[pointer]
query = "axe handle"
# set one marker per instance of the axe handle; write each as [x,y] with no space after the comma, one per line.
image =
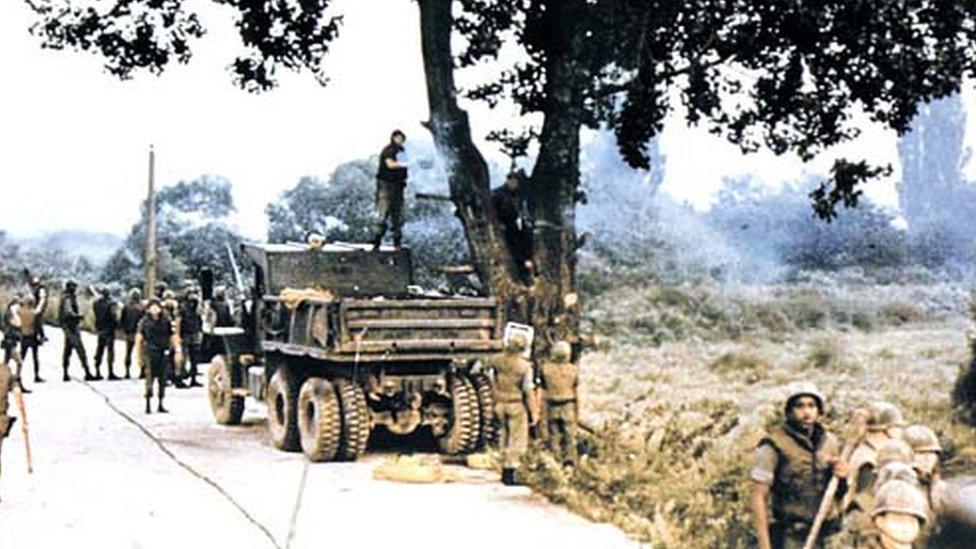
[19,398]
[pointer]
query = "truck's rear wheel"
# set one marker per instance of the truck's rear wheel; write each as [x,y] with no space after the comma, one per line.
[319,419]
[283,412]
[355,420]
[221,378]
[462,436]
[488,434]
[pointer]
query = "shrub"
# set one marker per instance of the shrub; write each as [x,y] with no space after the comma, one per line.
[751,367]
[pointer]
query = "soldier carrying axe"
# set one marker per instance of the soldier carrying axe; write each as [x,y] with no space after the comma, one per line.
[795,463]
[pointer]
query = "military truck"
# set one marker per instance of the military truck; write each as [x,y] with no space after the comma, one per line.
[338,342]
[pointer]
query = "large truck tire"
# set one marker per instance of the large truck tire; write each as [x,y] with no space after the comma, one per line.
[488,433]
[462,435]
[282,402]
[355,420]
[319,419]
[227,408]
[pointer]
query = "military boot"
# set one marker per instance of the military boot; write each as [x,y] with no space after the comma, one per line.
[111,375]
[160,408]
[66,377]
[20,383]
[148,406]
[98,374]
[508,477]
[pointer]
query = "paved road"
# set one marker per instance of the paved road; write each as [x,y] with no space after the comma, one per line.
[109,476]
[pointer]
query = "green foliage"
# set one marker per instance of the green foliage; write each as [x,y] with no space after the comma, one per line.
[343,209]
[192,233]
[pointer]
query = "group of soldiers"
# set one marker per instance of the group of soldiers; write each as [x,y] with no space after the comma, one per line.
[160,332]
[518,402]
[888,481]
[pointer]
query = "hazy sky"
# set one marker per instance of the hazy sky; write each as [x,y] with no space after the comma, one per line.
[74,141]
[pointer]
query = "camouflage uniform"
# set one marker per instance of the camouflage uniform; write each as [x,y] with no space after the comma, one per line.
[560,379]
[513,389]
[69,316]
[131,315]
[30,321]
[105,325]
[155,335]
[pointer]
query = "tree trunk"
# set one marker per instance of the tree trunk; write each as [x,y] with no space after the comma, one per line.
[467,171]
[555,180]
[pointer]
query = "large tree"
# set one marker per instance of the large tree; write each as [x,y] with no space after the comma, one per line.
[787,75]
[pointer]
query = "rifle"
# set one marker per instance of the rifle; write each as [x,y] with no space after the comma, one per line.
[19,399]
[238,281]
[432,196]
[856,434]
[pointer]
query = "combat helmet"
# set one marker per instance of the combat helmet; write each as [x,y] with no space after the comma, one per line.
[70,285]
[803,388]
[516,343]
[894,450]
[884,416]
[898,496]
[922,439]
[135,294]
[895,470]
[561,351]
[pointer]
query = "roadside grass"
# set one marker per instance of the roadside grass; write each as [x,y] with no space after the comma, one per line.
[677,420]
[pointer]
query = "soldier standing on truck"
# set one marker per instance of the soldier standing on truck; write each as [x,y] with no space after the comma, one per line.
[560,380]
[156,342]
[391,178]
[513,404]
[69,316]
[132,313]
[106,322]
[794,463]
[191,334]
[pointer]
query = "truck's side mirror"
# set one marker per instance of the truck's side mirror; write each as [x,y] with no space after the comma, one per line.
[207,283]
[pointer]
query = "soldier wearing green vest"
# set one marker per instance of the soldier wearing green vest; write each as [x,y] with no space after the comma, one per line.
[513,403]
[794,462]
[560,379]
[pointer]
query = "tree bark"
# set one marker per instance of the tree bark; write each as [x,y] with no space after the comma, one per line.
[555,180]
[467,171]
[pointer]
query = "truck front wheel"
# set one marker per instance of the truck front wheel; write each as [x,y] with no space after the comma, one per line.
[226,407]
[282,402]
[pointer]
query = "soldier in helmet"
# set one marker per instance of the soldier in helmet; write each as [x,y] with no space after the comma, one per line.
[69,316]
[106,322]
[885,422]
[191,334]
[132,313]
[898,513]
[794,463]
[560,379]
[223,316]
[513,403]
[156,342]
[171,306]
[30,312]
[927,460]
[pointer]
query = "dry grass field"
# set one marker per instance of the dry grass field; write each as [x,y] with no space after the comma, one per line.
[678,414]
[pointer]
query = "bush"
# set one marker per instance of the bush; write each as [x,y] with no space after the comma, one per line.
[826,354]
[751,367]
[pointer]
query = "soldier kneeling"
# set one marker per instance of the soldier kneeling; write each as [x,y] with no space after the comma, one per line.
[560,379]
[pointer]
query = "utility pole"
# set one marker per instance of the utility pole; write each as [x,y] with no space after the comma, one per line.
[150,259]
